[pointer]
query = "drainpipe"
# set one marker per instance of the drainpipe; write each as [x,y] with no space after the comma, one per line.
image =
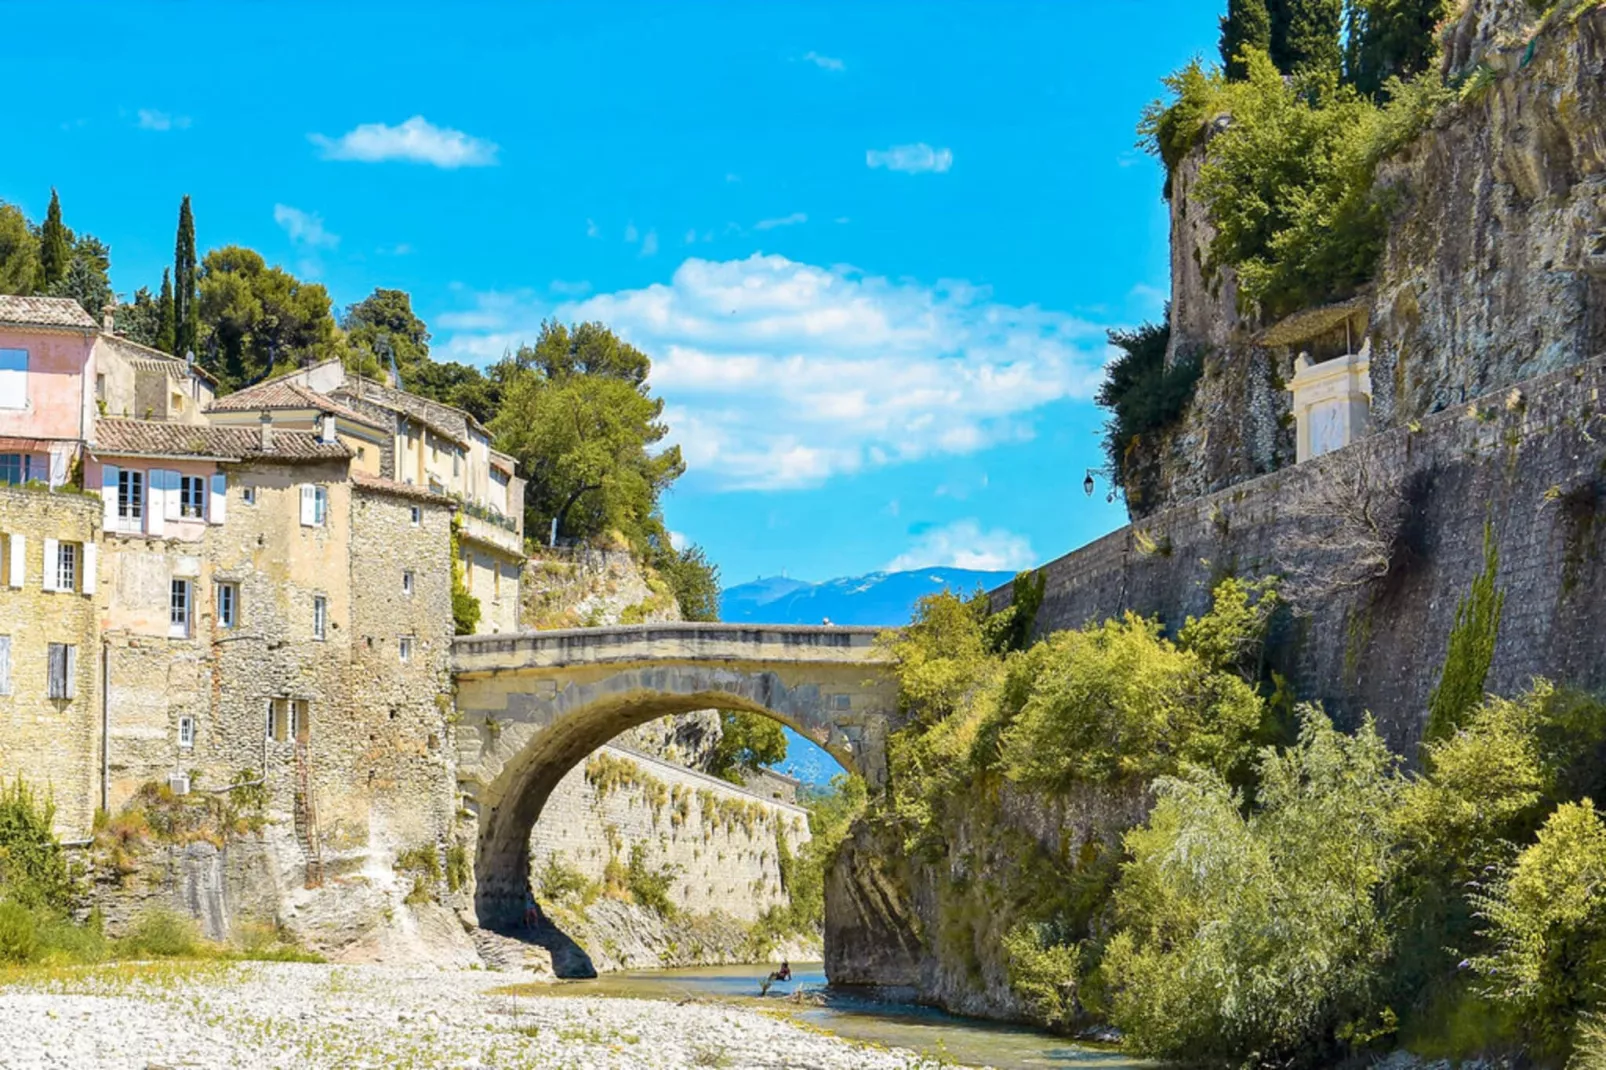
[105,726]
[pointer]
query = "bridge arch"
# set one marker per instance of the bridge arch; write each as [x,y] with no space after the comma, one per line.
[532,706]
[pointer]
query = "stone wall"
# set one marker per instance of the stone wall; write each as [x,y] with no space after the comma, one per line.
[720,840]
[1529,462]
[54,744]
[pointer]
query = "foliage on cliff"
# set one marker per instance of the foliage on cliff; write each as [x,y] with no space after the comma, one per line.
[1471,647]
[1141,394]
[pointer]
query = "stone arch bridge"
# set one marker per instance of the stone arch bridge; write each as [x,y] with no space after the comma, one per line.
[534,704]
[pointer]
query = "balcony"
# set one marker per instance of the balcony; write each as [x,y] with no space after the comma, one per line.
[489,528]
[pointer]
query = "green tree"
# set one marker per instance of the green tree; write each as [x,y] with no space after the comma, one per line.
[382,327]
[166,323]
[258,320]
[1471,647]
[747,743]
[1391,38]
[87,278]
[576,412]
[19,252]
[186,283]
[1142,396]
[1311,43]
[55,246]
[33,868]
[1246,25]
[692,577]
[140,319]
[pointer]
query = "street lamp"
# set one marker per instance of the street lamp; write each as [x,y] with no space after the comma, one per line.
[1087,484]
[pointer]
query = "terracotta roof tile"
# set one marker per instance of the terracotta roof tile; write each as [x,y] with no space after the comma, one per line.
[45,312]
[149,438]
[286,394]
[401,490]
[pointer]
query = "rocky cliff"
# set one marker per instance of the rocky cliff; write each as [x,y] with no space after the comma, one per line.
[1493,271]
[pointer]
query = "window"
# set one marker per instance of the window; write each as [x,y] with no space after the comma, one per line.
[278,719]
[63,669]
[5,664]
[457,460]
[248,495]
[186,732]
[320,617]
[314,506]
[130,495]
[407,583]
[192,497]
[66,565]
[418,516]
[13,378]
[178,606]
[228,604]
[404,647]
[100,387]
[300,719]
[16,468]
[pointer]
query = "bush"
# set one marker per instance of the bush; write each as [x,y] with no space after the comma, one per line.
[1546,920]
[559,882]
[161,934]
[1042,973]
[1470,650]
[1257,933]
[650,886]
[1141,394]
[19,934]
[33,870]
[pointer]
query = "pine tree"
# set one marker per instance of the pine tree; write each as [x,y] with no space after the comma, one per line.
[186,309]
[1312,42]
[55,246]
[1246,25]
[164,315]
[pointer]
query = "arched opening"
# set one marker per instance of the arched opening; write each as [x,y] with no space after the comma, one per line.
[502,865]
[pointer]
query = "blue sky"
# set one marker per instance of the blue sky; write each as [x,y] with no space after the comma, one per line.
[872,248]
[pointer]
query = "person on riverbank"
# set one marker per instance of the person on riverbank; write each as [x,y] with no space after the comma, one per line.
[782,974]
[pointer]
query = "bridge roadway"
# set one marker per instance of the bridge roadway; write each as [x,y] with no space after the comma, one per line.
[532,705]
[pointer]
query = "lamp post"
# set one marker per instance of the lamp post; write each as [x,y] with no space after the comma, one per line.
[1087,484]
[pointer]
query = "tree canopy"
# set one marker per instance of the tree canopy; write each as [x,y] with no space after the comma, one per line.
[257,320]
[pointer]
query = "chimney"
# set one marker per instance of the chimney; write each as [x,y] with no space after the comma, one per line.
[326,427]
[267,432]
[108,316]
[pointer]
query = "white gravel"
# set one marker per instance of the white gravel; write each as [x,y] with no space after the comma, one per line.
[296,1015]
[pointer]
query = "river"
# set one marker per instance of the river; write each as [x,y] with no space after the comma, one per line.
[856,1016]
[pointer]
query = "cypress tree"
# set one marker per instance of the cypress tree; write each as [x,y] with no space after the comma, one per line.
[1246,25]
[1312,42]
[55,249]
[186,313]
[164,314]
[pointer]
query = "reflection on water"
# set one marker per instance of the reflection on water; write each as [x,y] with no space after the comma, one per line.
[858,1015]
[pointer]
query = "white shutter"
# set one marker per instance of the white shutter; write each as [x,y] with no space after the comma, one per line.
[5,664]
[220,495]
[309,505]
[155,501]
[108,495]
[91,556]
[19,558]
[171,498]
[52,551]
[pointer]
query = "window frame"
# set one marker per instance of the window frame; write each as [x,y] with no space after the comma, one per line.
[23,470]
[320,617]
[320,506]
[180,627]
[248,495]
[186,733]
[409,582]
[69,558]
[226,597]
[404,649]
[188,510]
[131,488]
[418,515]
[23,372]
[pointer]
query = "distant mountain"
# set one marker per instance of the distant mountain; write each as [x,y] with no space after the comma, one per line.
[880,599]
[885,599]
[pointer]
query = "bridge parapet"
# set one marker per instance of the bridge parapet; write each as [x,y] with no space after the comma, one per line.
[677,641]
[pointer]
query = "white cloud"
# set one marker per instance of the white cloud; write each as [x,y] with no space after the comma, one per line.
[783,221]
[678,540]
[151,119]
[782,374]
[570,289]
[825,63]
[649,244]
[304,228]
[417,140]
[963,544]
[591,229]
[912,159]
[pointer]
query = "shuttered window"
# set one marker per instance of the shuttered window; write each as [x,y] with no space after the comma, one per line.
[63,669]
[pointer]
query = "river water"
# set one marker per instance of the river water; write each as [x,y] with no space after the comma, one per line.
[857,1016]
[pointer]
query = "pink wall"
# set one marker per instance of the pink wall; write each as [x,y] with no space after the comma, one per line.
[59,406]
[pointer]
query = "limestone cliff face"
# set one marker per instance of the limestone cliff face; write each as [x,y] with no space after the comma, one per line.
[938,926]
[1494,270]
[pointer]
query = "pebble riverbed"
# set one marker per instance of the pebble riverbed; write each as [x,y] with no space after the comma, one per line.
[302,1015]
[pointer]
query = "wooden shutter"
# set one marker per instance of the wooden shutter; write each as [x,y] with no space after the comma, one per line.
[91,555]
[56,668]
[220,495]
[52,551]
[172,494]
[155,501]
[17,548]
[108,495]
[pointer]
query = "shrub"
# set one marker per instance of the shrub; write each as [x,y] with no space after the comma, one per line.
[1141,394]
[1257,933]
[33,870]
[1546,920]
[1042,973]
[559,882]
[19,933]
[650,886]
[1471,648]
[161,933]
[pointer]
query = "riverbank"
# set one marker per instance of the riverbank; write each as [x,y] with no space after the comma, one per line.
[294,1015]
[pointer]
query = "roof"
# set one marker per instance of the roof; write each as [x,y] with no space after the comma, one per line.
[51,312]
[286,394]
[445,420]
[150,353]
[1310,323]
[150,438]
[401,490]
